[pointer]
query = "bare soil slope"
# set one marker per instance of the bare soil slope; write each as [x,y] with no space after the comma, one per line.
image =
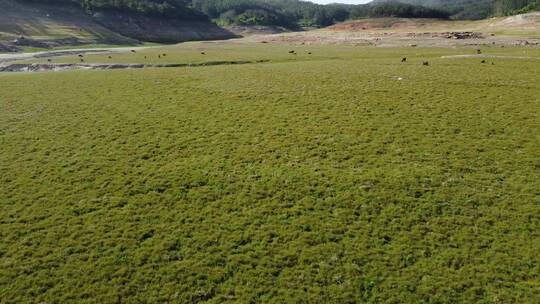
[518,24]
[49,26]
[398,32]
[160,30]
[45,22]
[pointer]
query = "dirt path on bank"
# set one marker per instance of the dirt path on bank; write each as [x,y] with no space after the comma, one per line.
[10,57]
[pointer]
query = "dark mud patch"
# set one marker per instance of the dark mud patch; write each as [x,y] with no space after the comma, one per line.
[448,35]
[8,48]
[40,67]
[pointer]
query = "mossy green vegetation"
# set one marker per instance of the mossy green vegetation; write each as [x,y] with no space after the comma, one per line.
[344,176]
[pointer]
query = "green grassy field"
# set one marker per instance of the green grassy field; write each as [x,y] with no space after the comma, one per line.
[317,178]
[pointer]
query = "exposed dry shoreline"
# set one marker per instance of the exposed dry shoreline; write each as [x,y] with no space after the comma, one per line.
[39,67]
[10,57]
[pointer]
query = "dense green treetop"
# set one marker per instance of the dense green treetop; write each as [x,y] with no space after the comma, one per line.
[475,9]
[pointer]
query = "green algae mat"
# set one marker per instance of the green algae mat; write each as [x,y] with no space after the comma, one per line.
[341,176]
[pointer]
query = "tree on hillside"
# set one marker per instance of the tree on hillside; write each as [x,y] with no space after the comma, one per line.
[397,9]
[287,13]
[509,7]
[458,9]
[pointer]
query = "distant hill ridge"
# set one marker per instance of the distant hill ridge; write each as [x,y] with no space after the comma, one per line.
[56,22]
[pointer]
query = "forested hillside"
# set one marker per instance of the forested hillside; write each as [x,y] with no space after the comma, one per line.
[397,9]
[287,13]
[511,7]
[294,13]
[457,9]
[474,9]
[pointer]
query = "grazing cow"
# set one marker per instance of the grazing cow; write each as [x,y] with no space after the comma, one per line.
[110,57]
[133,51]
[426,63]
[82,60]
[164,54]
[80,56]
[158,56]
[478,51]
[292,52]
[49,60]
[203,53]
[483,61]
[309,53]
[144,57]
[404,59]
